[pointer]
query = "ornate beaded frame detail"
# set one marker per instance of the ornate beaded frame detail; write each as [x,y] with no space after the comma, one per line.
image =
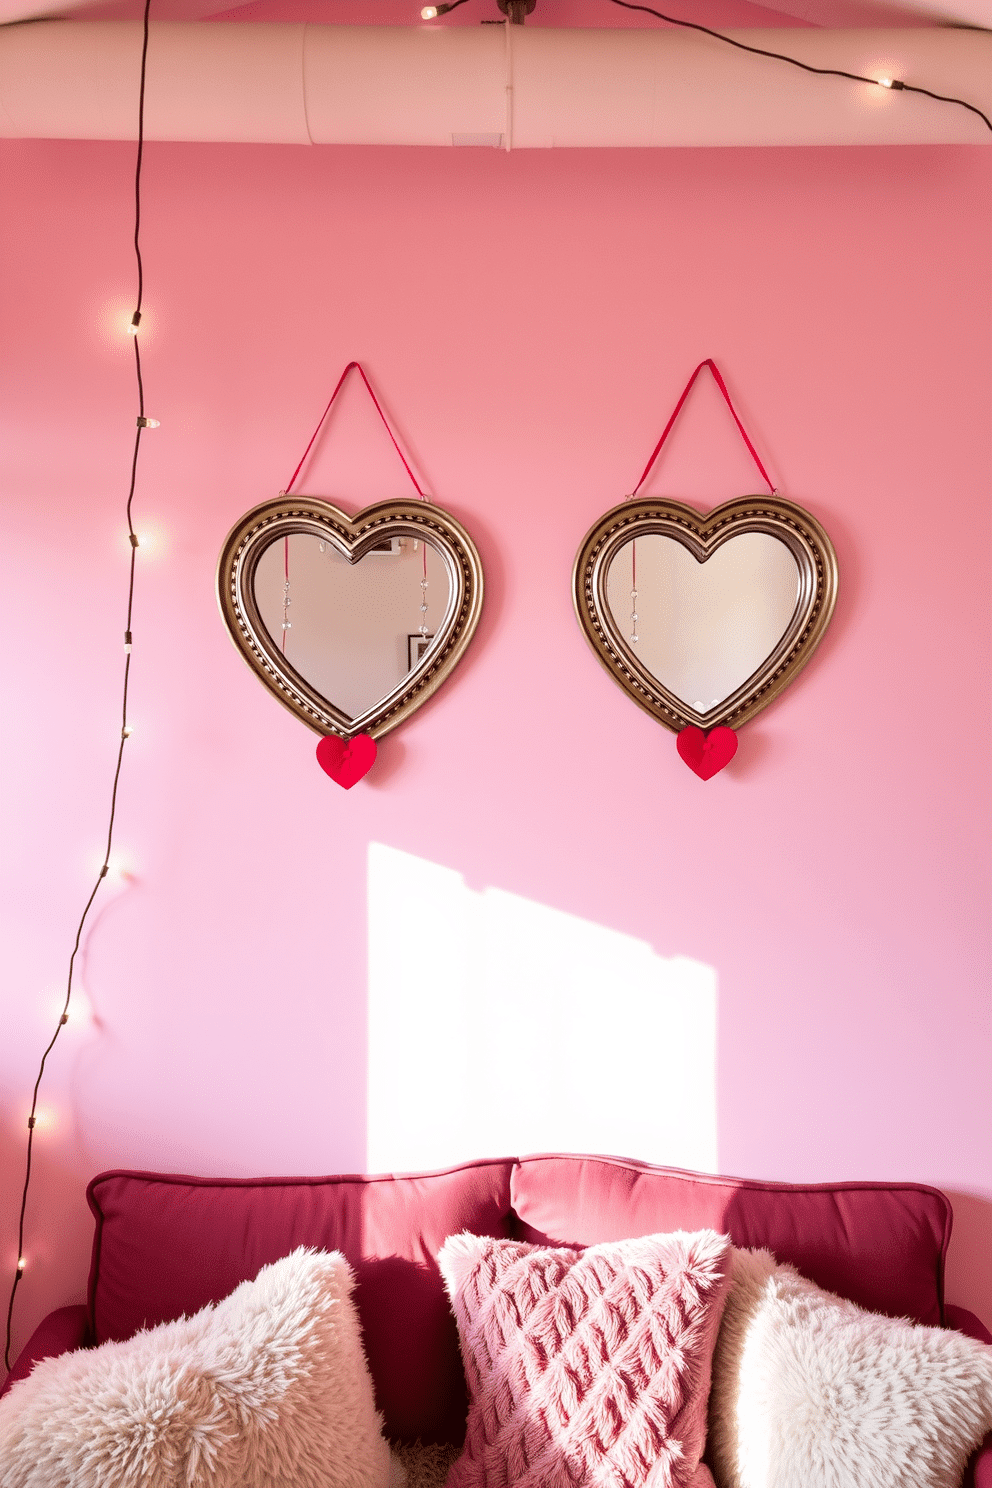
[702,535]
[352,537]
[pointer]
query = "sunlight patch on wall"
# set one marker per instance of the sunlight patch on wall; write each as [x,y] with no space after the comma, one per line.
[500,1026]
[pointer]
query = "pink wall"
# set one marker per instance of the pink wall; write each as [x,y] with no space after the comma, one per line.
[530,320]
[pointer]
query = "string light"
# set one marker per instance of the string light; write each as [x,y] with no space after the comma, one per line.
[80,1015]
[517,8]
[855,77]
[142,423]
[431,12]
[151,537]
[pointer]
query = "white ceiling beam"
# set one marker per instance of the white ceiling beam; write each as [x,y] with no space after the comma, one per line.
[409,85]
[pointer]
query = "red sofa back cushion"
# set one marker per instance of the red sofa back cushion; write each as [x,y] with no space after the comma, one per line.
[166,1245]
[881,1244]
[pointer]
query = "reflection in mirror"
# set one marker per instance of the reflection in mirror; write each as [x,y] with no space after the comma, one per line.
[353,631]
[702,629]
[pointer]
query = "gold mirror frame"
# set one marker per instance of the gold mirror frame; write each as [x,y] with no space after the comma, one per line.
[703,535]
[353,537]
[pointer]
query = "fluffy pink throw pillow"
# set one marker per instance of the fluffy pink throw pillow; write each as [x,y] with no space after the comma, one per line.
[586,1369]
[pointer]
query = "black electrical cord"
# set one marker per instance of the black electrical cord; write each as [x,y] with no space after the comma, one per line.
[855,77]
[142,424]
[442,9]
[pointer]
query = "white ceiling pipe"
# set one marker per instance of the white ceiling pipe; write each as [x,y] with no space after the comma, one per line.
[518,87]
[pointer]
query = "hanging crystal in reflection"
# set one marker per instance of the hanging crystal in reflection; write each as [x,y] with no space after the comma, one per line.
[287,624]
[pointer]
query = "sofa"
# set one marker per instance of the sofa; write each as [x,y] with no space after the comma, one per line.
[165,1245]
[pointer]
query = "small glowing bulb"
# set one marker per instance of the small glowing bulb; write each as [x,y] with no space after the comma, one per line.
[80,1015]
[135,323]
[429,13]
[21,1263]
[148,423]
[885,82]
[126,731]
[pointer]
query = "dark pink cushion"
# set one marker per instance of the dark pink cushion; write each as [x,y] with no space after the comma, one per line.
[167,1245]
[881,1244]
[56,1334]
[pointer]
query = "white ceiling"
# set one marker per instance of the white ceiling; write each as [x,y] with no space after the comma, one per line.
[831,13]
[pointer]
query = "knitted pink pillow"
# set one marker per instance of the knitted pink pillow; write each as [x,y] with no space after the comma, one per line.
[586,1369]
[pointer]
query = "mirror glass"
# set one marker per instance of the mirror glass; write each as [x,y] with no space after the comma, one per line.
[701,629]
[353,631]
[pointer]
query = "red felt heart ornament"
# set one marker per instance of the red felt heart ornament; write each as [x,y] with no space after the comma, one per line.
[706,753]
[346,760]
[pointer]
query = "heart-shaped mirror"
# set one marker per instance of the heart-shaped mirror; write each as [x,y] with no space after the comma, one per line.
[704,619]
[351,622]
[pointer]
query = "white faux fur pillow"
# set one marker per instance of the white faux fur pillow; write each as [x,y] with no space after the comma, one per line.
[809,1389]
[269,1387]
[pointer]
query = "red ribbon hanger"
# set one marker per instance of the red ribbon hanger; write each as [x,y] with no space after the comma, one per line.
[705,753]
[356,367]
[346,761]
[678,409]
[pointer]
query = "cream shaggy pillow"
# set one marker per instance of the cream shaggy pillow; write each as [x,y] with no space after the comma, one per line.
[269,1387]
[810,1389]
